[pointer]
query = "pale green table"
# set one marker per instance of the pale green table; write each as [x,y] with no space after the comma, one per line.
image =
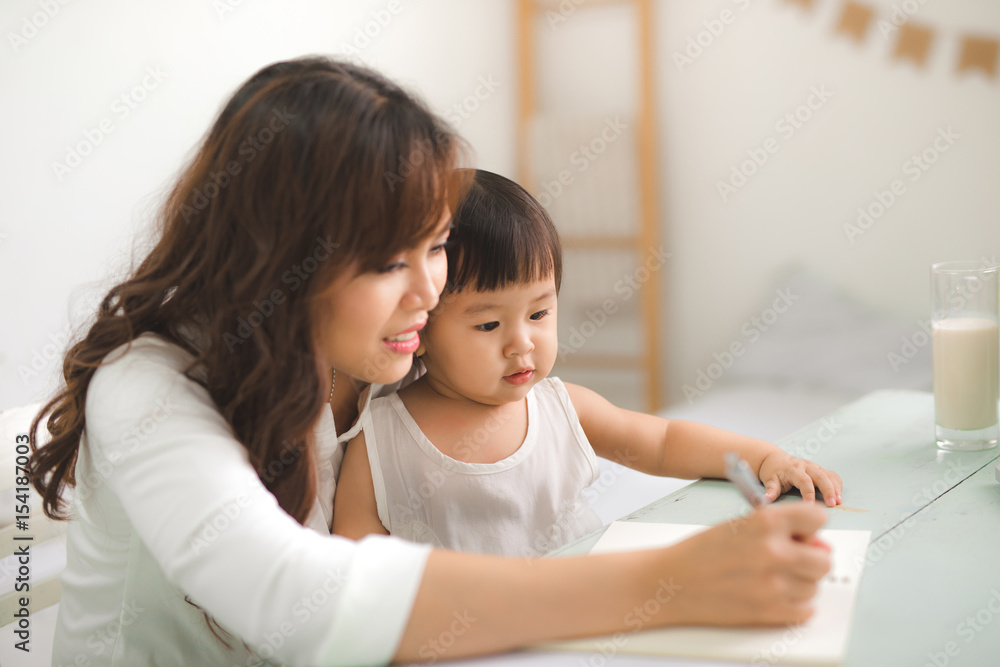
[934,559]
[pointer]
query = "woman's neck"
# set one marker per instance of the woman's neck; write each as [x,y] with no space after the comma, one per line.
[344,403]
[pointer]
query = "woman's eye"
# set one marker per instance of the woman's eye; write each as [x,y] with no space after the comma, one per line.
[539,315]
[489,326]
[389,268]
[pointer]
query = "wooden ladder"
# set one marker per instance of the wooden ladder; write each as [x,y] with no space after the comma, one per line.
[646,238]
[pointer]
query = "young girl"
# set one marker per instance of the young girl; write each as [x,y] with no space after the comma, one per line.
[486,452]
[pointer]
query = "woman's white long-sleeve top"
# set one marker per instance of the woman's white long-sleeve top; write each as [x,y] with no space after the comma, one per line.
[167,507]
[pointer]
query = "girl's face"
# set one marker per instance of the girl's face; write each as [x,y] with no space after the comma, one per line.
[492,347]
[370,327]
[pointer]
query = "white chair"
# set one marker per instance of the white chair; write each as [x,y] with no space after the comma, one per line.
[45,542]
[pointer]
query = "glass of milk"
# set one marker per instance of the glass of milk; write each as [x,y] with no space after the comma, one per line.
[966,349]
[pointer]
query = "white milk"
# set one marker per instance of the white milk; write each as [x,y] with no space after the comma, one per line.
[965,372]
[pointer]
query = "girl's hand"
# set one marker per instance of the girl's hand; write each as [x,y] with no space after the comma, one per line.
[761,569]
[781,472]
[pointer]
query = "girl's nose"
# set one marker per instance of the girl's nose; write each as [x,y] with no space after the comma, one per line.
[519,343]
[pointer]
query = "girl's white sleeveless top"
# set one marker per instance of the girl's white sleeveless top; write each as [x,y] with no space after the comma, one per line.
[526,504]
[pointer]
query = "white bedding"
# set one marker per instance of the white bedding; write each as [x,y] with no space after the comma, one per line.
[824,353]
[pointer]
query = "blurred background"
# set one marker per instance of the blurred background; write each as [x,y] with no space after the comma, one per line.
[751,191]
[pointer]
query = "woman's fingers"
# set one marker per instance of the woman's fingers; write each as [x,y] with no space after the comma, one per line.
[763,570]
[802,520]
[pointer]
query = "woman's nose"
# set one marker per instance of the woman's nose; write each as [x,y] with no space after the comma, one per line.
[425,287]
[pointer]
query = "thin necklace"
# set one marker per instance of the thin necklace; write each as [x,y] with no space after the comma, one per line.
[333,383]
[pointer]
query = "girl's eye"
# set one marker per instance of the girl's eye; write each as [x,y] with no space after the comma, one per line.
[489,326]
[539,315]
[439,248]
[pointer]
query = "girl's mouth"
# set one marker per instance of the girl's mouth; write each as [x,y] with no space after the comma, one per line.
[520,377]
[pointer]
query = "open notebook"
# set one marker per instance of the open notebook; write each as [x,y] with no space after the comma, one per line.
[820,641]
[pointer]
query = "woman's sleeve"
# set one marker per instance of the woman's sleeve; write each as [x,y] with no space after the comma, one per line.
[218,535]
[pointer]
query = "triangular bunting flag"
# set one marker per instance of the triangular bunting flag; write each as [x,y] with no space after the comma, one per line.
[914,43]
[979,52]
[855,19]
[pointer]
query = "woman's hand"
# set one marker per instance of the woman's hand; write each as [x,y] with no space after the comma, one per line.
[762,569]
[780,472]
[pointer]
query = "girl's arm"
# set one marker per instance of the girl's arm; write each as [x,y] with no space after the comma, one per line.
[760,570]
[355,512]
[677,448]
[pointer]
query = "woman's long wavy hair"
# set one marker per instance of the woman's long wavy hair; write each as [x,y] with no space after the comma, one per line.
[313,167]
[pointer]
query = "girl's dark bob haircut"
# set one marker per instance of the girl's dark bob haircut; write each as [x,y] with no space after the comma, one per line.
[501,237]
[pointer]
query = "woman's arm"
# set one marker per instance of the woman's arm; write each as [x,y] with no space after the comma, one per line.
[677,448]
[759,570]
[355,512]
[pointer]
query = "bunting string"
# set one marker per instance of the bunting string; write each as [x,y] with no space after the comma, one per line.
[914,41]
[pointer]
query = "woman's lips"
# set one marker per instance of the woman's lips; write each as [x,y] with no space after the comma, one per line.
[520,377]
[405,342]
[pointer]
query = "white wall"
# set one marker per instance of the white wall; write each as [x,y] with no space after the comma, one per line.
[61,238]
[792,211]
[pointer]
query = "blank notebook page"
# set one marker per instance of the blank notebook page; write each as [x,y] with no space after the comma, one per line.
[820,641]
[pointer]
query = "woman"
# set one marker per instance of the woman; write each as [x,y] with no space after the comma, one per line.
[202,422]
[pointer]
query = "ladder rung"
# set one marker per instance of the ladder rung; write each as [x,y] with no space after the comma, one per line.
[598,242]
[556,5]
[602,361]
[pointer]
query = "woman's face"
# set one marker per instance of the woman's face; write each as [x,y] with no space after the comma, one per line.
[370,327]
